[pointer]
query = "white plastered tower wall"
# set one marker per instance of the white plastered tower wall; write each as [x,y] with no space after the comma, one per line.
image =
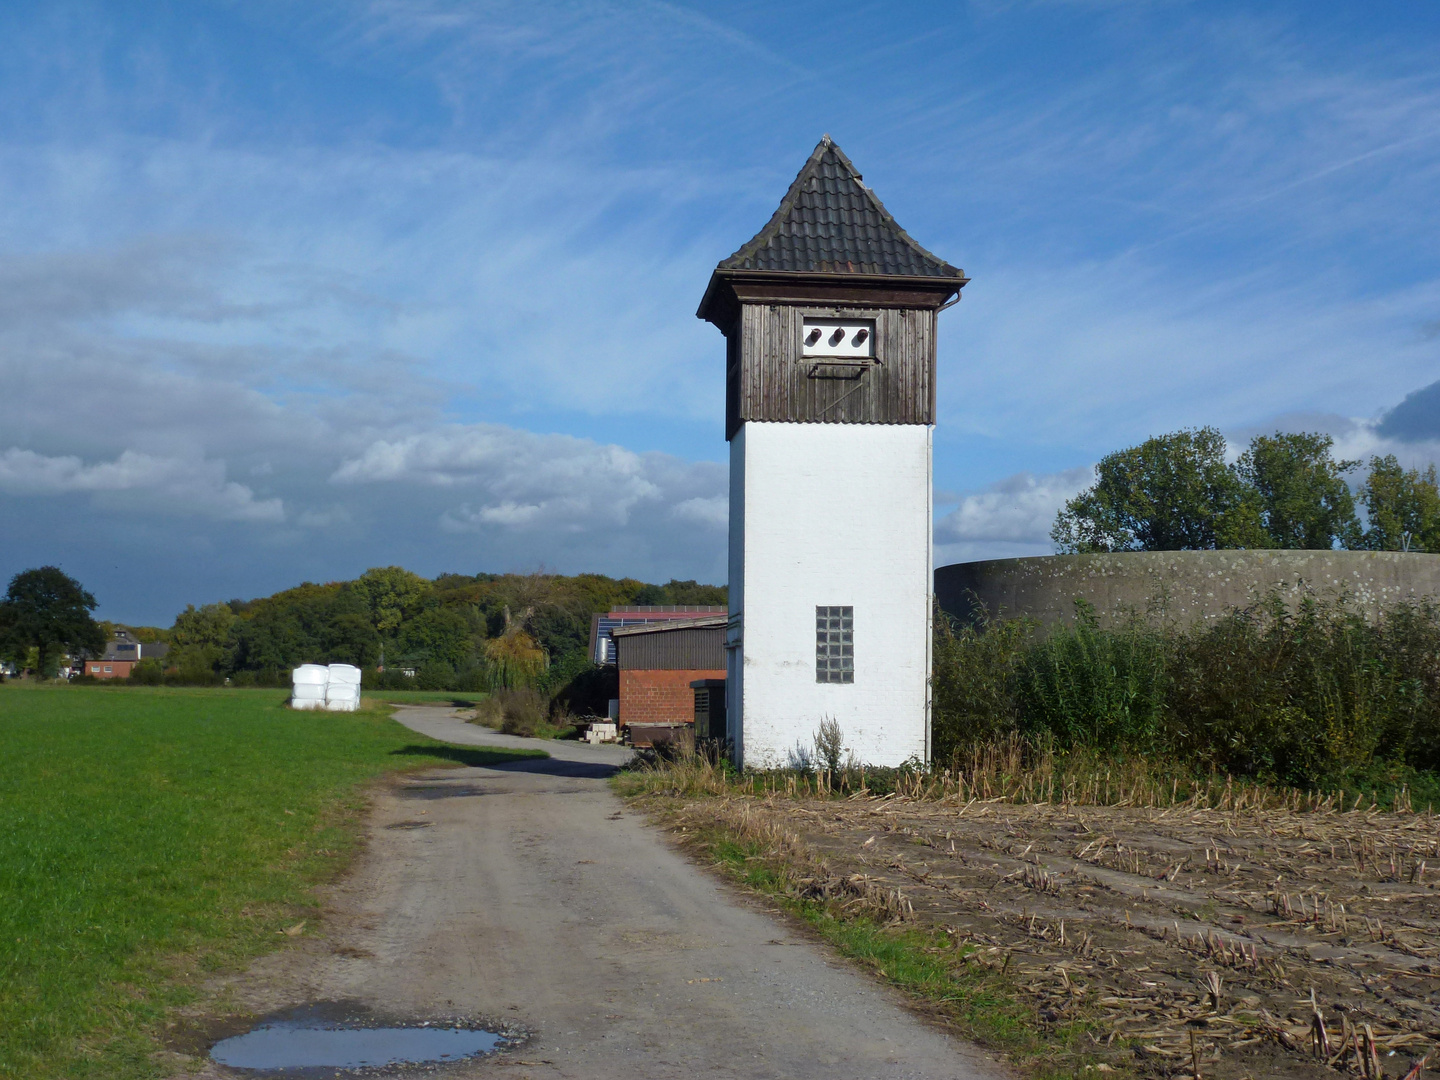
[830,515]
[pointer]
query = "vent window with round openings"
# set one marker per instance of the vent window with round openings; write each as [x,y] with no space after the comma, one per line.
[851,339]
[835,644]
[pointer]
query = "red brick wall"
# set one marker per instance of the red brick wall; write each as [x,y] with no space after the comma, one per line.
[119,669]
[659,697]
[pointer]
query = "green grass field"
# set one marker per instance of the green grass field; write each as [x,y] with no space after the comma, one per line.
[153,836]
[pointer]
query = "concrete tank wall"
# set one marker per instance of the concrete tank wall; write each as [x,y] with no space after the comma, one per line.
[1185,586]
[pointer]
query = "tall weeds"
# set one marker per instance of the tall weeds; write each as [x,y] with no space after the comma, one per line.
[1087,686]
[1025,771]
[1301,694]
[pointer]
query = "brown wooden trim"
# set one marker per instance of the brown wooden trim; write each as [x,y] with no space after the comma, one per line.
[730,288]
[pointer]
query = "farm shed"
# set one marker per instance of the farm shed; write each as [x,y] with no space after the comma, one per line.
[602,646]
[659,661]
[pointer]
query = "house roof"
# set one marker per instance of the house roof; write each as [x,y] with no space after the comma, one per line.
[830,223]
[130,649]
[671,624]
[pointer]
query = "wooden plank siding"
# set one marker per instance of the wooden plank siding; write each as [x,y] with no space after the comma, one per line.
[681,648]
[769,379]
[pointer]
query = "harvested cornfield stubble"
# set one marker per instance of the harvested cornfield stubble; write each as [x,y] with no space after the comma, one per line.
[1276,936]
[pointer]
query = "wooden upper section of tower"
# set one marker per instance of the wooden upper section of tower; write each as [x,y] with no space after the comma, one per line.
[829,310]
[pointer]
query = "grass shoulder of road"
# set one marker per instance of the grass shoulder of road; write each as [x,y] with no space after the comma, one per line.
[944,978]
[538,727]
[156,836]
[456,699]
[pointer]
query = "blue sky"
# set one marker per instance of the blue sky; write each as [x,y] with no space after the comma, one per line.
[292,289]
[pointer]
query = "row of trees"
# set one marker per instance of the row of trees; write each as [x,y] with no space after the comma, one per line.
[1176,492]
[456,632]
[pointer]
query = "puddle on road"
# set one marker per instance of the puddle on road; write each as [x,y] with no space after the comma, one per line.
[331,1041]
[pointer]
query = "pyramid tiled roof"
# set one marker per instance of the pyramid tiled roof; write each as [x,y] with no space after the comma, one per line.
[830,223]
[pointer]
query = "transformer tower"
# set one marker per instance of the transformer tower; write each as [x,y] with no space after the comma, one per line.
[829,319]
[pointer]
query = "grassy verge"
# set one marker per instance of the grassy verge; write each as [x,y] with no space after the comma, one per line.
[1012,769]
[541,730]
[454,698]
[945,979]
[155,835]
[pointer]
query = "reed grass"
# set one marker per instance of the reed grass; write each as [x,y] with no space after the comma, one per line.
[1019,770]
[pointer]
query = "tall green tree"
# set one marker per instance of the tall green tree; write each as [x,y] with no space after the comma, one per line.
[1305,501]
[201,637]
[1402,507]
[1171,493]
[438,634]
[47,610]
[393,594]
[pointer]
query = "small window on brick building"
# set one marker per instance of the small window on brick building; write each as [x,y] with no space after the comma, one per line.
[835,644]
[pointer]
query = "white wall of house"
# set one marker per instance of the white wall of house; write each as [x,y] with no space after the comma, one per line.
[830,515]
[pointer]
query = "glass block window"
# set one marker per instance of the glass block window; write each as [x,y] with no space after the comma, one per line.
[835,644]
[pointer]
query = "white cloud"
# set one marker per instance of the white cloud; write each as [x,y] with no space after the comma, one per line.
[714,511]
[172,485]
[513,479]
[1018,510]
[506,513]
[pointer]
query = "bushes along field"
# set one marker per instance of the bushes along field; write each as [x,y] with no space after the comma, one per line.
[1305,696]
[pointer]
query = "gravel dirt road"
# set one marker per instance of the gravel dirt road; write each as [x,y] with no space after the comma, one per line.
[527,894]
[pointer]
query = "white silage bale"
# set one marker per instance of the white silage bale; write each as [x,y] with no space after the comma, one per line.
[343,695]
[310,675]
[308,682]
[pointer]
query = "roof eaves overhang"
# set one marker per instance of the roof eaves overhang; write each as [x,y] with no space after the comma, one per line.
[708,621]
[724,293]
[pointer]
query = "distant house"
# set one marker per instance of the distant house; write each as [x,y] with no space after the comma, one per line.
[658,661]
[602,645]
[122,654]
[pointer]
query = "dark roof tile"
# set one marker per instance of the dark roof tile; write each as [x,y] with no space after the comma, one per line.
[830,223]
